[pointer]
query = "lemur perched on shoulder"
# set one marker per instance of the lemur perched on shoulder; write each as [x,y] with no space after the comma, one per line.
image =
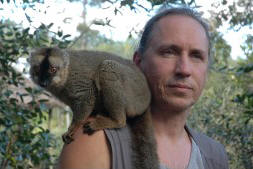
[98,84]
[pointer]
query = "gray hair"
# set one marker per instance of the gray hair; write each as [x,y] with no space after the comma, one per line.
[184,11]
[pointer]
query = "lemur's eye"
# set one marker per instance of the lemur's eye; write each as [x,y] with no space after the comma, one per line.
[52,69]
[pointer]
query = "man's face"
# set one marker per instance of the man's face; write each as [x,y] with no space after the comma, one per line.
[175,62]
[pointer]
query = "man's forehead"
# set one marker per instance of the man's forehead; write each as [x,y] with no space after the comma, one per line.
[175,20]
[176,25]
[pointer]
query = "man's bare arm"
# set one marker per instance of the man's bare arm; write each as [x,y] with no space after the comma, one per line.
[86,152]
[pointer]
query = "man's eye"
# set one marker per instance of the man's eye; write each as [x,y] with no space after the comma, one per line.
[197,56]
[168,52]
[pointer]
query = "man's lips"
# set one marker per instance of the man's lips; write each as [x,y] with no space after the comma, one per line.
[181,86]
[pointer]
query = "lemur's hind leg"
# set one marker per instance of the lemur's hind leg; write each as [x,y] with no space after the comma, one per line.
[112,92]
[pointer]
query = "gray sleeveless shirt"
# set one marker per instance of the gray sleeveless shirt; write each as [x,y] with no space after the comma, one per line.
[213,154]
[195,158]
[120,142]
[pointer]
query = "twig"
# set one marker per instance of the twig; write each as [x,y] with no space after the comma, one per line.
[8,151]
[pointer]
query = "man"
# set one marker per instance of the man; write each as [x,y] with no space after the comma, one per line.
[174,55]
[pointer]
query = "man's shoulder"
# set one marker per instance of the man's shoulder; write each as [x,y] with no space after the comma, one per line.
[211,149]
[206,140]
[84,149]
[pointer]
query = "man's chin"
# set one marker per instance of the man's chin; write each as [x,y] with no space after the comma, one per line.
[178,104]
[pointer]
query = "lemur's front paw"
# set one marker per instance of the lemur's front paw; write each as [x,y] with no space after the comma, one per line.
[87,128]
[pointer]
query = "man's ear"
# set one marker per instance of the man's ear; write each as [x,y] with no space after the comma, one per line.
[137,58]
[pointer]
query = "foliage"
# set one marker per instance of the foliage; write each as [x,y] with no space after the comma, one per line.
[220,51]
[24,142]
[93,40]
[134,5]
[219,116]
[244,74]
[237,13]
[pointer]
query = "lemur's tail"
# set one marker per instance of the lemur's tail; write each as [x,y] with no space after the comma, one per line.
[143,142]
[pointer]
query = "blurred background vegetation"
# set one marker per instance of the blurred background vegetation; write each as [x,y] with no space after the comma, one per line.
[31,121]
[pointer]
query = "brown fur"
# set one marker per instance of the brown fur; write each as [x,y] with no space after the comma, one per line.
[143,142]
[96,84]
[107,87]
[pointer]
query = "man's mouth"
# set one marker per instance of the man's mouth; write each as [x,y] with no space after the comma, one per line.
[180,86]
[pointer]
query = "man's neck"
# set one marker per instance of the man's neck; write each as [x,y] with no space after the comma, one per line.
[173,141]
[169,124]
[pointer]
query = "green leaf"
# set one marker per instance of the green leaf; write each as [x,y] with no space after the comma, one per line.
[9,33]
[37,35]
[13,100]
[28,89]
[44,38]
[50,25]
[59,33]
[28,18]
[43,100]
[8,93]
[43,26]
[66,36]
[25,31]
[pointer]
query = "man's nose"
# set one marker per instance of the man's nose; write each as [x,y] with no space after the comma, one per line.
[183,66]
